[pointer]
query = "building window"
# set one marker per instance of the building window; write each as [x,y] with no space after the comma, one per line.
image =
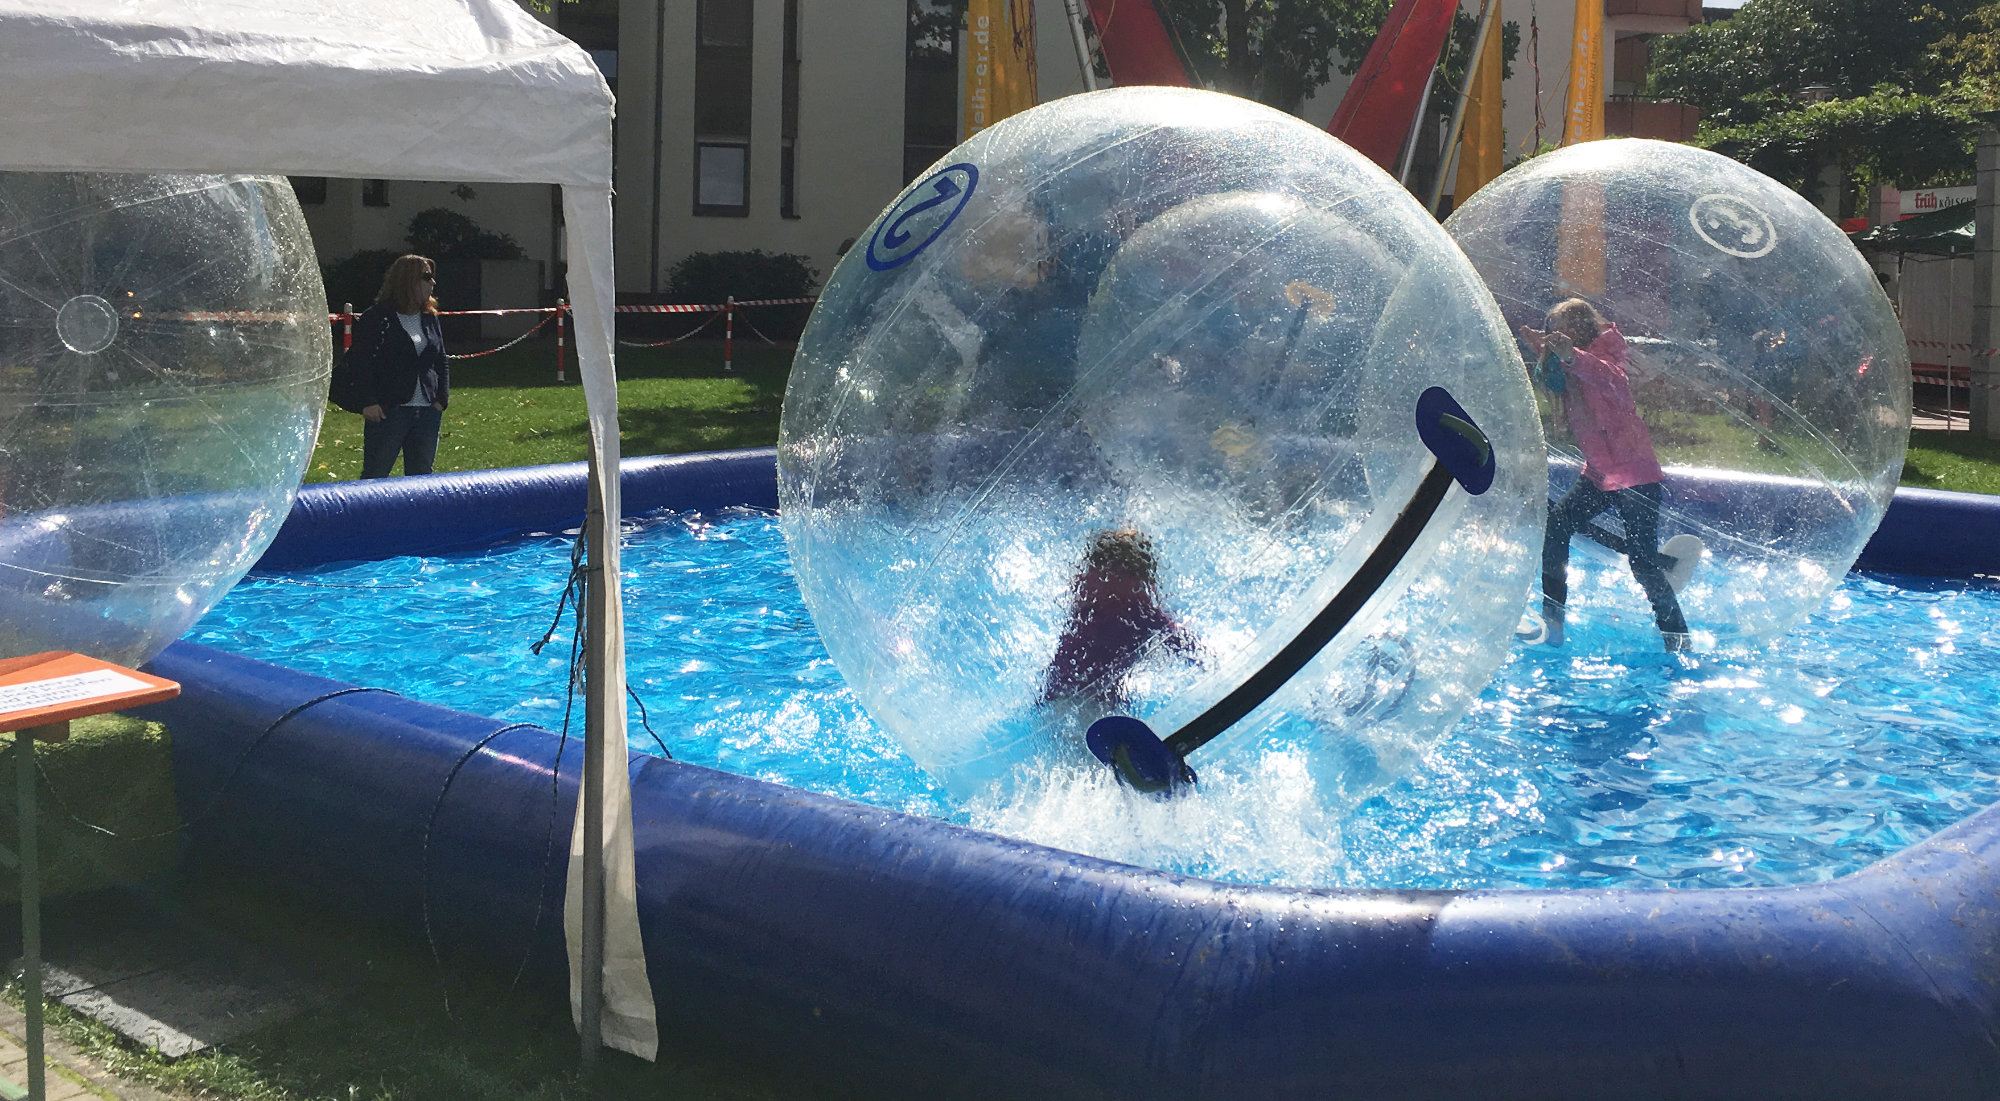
[722,176]
[930,84]
[724,24]
[723,35]
[374,192]
[788,190]
[311,190]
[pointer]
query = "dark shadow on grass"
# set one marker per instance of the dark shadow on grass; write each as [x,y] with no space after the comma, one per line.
[381,1028]
[666,430]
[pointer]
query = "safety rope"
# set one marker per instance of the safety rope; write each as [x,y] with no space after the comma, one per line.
[215,804]
[1535,60]
[509,344]
[759,332]
[675,340]
[424,868]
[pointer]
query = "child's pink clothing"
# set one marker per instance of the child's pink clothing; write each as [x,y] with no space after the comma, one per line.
[1617,449]
[1115,619]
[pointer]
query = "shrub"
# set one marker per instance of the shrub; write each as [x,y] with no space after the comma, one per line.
[357,278]
[714,276]
[443,234]
[747,276]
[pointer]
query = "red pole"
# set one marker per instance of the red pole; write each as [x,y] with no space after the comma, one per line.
[346,325]
[729,333]
[561,308]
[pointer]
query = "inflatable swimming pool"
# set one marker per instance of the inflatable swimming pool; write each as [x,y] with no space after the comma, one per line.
[891,956]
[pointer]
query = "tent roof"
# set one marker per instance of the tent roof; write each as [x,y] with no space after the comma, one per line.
[1946,232]
[396,89]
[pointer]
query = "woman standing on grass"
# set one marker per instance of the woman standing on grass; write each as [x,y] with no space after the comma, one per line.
[407,376]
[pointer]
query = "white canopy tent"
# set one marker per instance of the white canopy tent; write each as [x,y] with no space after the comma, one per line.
[473,90]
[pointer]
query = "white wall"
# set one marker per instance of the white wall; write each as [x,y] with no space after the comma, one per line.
[849,153]
[1936,301]
[1518,94]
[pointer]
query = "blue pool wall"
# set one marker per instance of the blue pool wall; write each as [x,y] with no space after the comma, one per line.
[890,956]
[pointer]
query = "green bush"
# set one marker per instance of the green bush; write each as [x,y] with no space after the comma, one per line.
[709,277]
[357,278]
[714,276]
[443,234]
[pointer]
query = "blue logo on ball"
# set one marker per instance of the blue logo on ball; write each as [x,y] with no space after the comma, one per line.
[926,211]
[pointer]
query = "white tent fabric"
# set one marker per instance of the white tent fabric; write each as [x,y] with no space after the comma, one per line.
[391,89]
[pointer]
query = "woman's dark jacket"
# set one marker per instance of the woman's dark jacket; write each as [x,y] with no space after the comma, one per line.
[391,363]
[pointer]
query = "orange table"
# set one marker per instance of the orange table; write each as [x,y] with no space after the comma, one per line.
[39,695]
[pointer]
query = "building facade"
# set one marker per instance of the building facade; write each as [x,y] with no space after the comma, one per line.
[786,125]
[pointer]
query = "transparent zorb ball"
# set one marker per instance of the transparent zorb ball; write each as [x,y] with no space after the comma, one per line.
[1107,405]
[163,363]
[1765,363]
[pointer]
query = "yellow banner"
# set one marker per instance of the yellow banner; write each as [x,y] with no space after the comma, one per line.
[1580,240]
[1481,141]
[1586,75]
[999,61]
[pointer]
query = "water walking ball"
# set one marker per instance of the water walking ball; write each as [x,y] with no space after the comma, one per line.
[163,363]
[1766,367]
[1109,403]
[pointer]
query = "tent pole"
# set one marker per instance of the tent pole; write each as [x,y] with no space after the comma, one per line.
[1458,109]
[596,614]
[659,107]
[1416,127]
[1075,14]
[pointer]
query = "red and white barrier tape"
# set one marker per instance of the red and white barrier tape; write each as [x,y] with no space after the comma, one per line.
[256,315]
[718,305]
[284,316]
[670,309]
[336,318]
[1955,347]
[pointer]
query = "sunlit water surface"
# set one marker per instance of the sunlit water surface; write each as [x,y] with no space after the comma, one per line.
[1868,728]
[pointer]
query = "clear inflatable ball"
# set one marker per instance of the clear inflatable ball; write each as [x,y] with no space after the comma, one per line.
[1108,404]
[1726,390]
[163,363]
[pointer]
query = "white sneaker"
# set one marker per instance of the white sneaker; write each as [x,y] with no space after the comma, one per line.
[1532,629]
[1686,551]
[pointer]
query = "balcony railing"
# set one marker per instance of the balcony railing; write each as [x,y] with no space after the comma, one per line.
[1627,117]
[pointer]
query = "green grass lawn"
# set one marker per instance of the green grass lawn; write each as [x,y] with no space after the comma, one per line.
[1952,460]
[507,409]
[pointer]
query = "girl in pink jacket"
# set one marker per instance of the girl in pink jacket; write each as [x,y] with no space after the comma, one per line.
[1584,358]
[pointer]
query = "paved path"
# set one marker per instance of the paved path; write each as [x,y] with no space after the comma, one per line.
[72,1075]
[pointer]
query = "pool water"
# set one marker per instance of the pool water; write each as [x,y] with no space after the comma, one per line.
[1868,728]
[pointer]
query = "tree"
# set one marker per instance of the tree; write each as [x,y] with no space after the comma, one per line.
[1273,51]
[1279,51]
[1888,136]
[1879,87]
[1740,70]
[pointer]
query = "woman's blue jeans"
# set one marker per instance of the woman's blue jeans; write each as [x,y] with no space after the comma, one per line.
[408,430]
